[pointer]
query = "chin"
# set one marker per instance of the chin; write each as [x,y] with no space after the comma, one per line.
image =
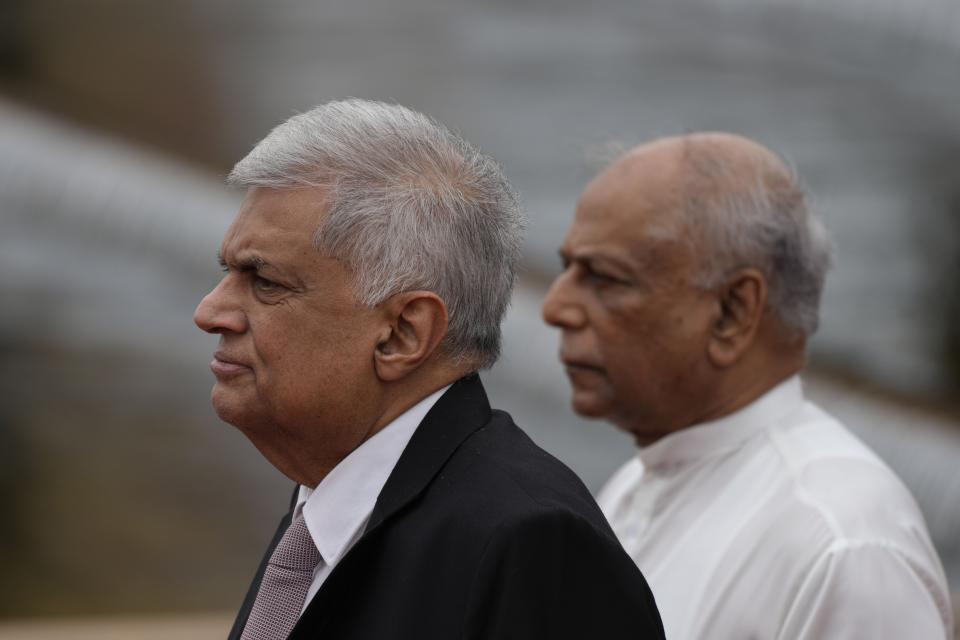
[588,407]
[230,408]
[228,416]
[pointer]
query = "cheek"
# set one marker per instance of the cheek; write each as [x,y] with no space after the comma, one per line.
[287,346]
[661,358]
[313,370]
[628,370]
[638,349]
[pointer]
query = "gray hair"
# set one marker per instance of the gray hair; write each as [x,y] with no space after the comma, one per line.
[760,222]
[411,206]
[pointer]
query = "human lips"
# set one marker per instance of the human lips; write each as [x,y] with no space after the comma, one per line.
[574,368]
[223,365]
[574,365]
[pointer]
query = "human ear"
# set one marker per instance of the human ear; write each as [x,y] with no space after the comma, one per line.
[742,301]
[416,323]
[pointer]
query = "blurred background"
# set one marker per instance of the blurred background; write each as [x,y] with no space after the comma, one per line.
[129,511]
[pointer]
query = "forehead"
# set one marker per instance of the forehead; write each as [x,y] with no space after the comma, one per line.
[633,205]
[282,221]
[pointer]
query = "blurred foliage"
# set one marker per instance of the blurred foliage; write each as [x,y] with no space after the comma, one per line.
[14,61]
[135,69]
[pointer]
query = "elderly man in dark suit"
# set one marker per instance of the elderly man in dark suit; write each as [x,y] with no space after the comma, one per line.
[365,279]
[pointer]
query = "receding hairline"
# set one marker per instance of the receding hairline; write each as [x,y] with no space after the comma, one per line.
[733,203]
[689,169]
[744,160]
[631,174]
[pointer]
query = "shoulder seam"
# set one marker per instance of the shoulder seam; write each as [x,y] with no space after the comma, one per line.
[843,544]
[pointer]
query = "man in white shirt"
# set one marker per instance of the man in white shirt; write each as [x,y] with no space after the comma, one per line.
[366,276]
[692,279]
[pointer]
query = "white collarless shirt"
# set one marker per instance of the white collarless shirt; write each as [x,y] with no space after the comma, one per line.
[776,522]
[337,510]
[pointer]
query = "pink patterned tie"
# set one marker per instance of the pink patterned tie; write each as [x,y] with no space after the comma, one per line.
[284,586]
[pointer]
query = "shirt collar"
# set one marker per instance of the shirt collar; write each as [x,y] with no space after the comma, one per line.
[337,510]
[712,438]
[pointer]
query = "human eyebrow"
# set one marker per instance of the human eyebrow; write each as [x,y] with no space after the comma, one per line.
[597,264]
[252,263]
[594,259]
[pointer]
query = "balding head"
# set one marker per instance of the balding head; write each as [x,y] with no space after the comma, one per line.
[738,205]
[693,276]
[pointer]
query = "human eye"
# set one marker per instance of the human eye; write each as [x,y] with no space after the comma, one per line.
[600,276]
[263,285]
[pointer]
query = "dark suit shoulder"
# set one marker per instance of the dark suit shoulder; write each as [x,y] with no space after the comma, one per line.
[550,565]
[483,535]
[502,472]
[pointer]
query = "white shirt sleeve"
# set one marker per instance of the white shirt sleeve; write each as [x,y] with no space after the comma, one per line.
[869,591]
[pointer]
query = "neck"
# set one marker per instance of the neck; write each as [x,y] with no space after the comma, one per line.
[753,376]
[401,395]
[728,390]
[308,459]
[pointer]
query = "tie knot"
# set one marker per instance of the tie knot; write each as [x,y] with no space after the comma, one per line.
[296,549]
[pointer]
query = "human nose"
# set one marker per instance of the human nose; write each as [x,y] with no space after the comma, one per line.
[560,308]
[218,312]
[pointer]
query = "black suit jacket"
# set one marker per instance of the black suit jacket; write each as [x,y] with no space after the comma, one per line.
[478,533]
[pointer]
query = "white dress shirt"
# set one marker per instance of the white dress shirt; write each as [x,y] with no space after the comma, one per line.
[776,522]
[337,510]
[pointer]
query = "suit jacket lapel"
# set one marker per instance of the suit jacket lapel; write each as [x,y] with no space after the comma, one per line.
[459,412]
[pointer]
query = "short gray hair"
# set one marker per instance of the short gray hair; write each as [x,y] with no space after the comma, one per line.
[410,206]
[763,223]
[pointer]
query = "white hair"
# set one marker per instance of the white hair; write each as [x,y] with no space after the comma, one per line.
[763,222]
[411,206]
